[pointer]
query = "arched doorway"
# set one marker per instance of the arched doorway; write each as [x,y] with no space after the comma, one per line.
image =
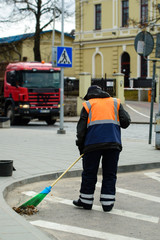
[125,68]
[98,64]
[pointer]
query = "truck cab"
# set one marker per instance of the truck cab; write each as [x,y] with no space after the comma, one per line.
[31,91]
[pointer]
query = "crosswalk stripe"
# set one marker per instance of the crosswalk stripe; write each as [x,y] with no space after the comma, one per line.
[80,231]
[153,175]
[135,194]
[119,212]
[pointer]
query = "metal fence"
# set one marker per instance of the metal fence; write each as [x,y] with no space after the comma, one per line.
[144,84]
[107,85]
[71,85]
[140,82]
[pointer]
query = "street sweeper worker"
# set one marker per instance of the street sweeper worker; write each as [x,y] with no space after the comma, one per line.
[99,135]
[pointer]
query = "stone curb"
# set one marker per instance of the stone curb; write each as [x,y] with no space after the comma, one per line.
[77,173]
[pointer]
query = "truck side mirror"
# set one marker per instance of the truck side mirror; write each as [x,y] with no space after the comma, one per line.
[12,78]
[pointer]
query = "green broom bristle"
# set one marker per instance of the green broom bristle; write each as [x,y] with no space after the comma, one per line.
[36,199]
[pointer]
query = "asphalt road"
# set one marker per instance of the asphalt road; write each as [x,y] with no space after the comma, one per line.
[134,131]
[136,213]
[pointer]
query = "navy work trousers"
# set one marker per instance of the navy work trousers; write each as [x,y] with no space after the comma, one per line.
[91,163]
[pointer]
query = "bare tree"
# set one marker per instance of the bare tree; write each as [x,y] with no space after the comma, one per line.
[147,22]
[41,12]
[7,51]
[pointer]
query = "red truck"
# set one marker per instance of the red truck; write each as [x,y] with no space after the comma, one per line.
[30,90]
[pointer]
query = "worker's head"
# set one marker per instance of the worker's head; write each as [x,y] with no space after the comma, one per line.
[94,89]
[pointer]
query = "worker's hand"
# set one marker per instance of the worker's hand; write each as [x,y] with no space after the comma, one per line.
[80,150]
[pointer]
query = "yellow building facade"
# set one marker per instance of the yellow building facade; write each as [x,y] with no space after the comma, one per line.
[105,35]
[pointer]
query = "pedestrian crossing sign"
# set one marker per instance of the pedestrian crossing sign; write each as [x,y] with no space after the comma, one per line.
[64,57]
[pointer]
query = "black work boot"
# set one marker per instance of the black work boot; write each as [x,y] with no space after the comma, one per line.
[107,208]
[79,203]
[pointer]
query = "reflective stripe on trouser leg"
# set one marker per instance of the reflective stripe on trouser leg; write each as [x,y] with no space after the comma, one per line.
[107,199]
[86,198]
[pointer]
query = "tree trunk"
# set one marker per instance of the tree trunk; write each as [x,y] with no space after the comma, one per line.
[36,49]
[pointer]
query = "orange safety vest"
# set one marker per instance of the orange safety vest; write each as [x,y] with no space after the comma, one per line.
[103,120]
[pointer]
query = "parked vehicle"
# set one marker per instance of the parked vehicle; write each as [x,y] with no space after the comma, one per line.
[30,90]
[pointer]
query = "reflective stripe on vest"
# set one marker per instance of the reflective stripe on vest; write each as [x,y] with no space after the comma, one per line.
[116,102]
[103,121]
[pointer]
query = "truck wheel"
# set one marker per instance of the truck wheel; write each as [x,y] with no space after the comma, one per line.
[50,121]
[25,121]
[10,114]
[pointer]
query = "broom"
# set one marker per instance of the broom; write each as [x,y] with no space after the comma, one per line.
[40,196]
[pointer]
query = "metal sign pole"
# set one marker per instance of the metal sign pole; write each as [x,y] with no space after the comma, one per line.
[61,130]
[152,102]
[144,44]
[54,49]
[53,33]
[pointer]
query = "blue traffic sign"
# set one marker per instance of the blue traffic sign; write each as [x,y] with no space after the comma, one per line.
[64,57]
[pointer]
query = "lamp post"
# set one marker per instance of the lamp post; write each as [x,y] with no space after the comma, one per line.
[61,130]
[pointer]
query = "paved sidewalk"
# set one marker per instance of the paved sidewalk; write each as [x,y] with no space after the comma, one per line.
[38,151]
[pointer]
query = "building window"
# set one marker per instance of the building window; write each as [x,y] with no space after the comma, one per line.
[144,11]
[97,16]
[125,13]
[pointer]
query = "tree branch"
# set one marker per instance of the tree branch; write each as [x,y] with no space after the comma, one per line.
[26,2]
[44,26]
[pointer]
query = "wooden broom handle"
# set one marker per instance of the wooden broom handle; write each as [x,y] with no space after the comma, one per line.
[66,171]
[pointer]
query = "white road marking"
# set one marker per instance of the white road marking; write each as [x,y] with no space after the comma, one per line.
[29,193]
[115,211]
[139,195]
[123,213]
[81,231]
[137,111]
[153,175]
[135,194]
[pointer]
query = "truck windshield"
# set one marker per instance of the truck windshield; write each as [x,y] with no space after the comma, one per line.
[41,79]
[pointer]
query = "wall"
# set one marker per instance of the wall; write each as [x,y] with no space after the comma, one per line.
[112,40]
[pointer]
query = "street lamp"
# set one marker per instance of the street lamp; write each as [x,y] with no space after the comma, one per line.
[61,130]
